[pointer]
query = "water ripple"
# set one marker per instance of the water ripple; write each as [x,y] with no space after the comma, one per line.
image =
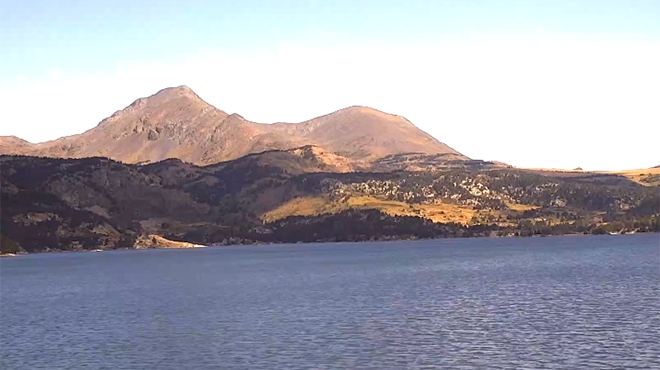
[546,303]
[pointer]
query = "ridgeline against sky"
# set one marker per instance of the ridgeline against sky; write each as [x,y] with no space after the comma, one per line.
[176,123]
[534,84]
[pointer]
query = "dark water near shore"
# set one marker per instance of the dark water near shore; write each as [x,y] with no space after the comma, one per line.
[542,303]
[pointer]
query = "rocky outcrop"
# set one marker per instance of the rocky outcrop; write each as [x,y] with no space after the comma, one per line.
[155,241]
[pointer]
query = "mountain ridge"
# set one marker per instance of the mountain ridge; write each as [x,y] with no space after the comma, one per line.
[176,123]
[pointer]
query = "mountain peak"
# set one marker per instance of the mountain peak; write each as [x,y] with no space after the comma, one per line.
[182,91]
[15,145]
[176,123]
[12,138]
[181,87]
[360,109]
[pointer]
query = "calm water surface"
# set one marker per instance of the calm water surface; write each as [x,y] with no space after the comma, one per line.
[539,303]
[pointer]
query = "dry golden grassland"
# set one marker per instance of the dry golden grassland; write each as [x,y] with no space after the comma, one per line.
[311,206]
[651,175]
[519,207]
[438,212]
[638,176]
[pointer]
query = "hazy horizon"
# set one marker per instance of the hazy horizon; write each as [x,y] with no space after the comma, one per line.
[546,84]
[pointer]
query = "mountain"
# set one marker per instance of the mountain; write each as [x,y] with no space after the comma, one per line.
[301,194]
[176,123]
[171,170]
[15,145]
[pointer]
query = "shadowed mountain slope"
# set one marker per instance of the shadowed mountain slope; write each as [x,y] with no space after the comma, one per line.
[302,194]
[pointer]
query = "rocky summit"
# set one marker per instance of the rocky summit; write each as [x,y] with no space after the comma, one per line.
[176,123]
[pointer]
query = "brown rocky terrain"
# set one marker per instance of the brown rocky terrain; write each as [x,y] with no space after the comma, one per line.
[15,145]
[176,123]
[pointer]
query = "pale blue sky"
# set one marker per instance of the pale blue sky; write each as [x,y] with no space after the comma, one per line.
[93,35]
[445,65]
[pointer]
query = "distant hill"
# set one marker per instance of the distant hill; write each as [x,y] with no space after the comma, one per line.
[301,194]
[176,123]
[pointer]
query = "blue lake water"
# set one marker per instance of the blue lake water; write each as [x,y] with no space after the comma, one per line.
[570,302]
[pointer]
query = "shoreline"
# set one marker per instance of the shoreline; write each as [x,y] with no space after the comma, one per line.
[200,246]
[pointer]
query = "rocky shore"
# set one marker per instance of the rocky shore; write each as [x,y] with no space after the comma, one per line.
[155,241]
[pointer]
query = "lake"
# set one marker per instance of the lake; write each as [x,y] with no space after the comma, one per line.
[590,302]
